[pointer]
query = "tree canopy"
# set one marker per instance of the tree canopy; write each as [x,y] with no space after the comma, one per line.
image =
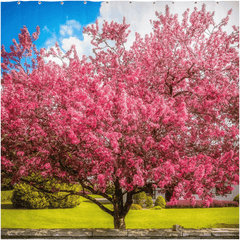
[163,114]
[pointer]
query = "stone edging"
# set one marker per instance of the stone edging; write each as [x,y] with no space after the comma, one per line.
[210,233]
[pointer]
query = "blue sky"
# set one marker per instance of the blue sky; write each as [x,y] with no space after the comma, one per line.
[64,23]
[50,16]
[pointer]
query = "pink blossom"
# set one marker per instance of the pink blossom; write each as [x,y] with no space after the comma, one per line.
[44,174]
[20,153]
[47,166]
[138,180]
[123,182]
[101,180]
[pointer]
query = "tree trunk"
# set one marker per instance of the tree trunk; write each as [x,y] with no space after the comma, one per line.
[119,222]
[121,210]
[121,205]
[168,195]
[119,217]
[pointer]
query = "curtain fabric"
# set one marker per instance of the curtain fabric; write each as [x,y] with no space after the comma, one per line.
[122,98]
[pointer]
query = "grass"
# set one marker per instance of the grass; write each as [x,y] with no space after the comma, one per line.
[97,196]
[189,218]
[89,215]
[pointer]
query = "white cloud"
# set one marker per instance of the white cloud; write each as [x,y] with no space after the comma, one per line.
[83,47]
[139,14]
[55,59]
[68,42]
[51,41]
[45,29]
[69,27]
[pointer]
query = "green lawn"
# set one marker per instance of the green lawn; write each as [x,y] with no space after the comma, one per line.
[97,196]
[89,215]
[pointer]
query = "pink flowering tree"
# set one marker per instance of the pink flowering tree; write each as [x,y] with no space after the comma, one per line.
[163,114]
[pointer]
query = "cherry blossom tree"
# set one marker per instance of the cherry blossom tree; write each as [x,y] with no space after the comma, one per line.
[163,114]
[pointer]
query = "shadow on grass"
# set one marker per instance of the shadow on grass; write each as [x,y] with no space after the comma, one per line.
[6,206]
[227,225]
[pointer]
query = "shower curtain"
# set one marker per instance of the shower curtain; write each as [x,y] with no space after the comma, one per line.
[128,104]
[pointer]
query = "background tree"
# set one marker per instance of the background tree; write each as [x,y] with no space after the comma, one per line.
[162,114]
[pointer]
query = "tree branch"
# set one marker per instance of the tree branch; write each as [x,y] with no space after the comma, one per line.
[177,94]
[72,193]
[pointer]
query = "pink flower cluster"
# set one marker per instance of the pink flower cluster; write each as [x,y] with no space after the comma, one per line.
[163,113]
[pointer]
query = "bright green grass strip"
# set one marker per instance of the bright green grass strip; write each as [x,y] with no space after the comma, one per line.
[89,215]
[95,196]
[189,218]
[91,195]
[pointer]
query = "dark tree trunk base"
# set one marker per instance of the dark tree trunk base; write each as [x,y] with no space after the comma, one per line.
[119,223]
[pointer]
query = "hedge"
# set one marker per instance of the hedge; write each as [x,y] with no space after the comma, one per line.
[149,202]
[156,208]
[236,198]
[135,207]
[201,204]
[6,195]
[140,198]
[160,201]
[26,196]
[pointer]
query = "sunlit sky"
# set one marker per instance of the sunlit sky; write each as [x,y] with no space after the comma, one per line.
[64,23]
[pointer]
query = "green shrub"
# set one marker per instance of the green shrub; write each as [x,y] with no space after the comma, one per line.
[156,208]
[6,195]
[6,182]
[135,207]
[110,190]
[236,198]
[65,202]
[26,196]
[160,201]
[149,202]
[140,198]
